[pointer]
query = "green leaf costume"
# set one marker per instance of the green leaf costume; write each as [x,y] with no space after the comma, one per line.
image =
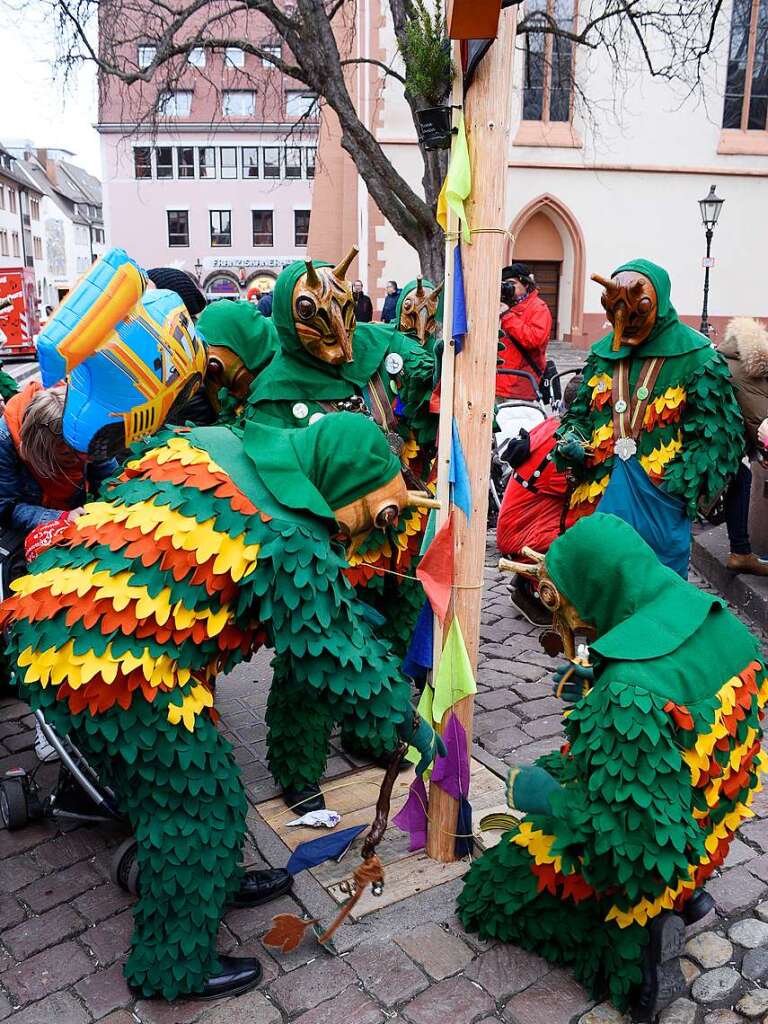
[662,761]
[296,389]
[209,545]
[692,435]
[8,386]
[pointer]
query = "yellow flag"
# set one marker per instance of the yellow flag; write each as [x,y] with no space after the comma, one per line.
[457,184]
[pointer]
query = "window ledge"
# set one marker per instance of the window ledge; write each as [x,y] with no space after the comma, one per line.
[734,142]
[553,134]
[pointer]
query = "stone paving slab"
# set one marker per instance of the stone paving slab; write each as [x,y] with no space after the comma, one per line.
[65,926]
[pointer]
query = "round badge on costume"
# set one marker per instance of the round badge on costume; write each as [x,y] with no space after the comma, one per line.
[621,405]
[300,411]
[315,417]
[642,393]
[601,387]
[393,363]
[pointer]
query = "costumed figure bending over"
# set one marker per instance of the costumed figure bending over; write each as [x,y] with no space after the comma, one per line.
[326,364]
[209,544]
[661,763]
[655,429]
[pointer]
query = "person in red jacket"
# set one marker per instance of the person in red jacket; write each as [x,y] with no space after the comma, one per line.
[526,327]
[534,510]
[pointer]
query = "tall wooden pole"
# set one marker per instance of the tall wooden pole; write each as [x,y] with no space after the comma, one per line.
[487,116]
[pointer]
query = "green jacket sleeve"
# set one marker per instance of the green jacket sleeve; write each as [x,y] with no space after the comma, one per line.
[578,417]
[8,386]
[625,821]
[416,385]
[712,435]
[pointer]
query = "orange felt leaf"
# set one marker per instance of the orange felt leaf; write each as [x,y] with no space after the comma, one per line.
[287,931]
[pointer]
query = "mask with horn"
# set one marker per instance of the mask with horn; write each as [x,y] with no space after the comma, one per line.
[566,620]
[324,311]
[630,303]
[419,310]
[379,509]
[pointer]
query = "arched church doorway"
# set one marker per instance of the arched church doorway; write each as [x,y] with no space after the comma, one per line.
[548,237]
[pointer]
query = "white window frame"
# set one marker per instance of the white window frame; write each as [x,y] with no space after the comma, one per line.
[234,57]
[196,57]
[141,54]
[275,49]
[170,99]
[222,175]
[228,94]
[300,94]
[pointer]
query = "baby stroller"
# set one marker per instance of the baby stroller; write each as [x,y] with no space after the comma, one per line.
[77,794]
[512,416]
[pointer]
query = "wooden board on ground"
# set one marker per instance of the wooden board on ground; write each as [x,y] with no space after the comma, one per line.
[354,796]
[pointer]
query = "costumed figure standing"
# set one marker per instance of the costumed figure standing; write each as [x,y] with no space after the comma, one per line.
[211,543]
[655,430]
[640,806]
[327,364]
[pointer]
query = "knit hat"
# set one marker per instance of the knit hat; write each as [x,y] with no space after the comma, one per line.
[184,286]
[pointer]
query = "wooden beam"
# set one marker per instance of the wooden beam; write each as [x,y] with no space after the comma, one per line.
[487,115]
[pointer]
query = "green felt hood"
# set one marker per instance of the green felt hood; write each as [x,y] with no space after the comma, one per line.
[294,374]
[640,609]
[323,466]
[406,290]
[241,328]
[669,336]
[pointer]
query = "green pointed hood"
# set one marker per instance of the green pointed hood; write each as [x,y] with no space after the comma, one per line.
[406,290]
[639,607]
[323,466]
[294,374]
[669,336]
[241,328]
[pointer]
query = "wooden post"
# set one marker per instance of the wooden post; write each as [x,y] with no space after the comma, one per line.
[487,115]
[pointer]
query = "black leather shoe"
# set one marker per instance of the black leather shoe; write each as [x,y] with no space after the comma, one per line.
[663,979]
[361,754]
[262,886]
[237,974]
[304,800]
[698,906]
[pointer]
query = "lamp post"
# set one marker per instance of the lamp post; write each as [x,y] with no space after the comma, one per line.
[710,207]
[198,269]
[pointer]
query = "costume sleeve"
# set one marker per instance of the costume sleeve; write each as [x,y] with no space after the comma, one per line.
[712,436]
[13,512]
[625,819]
[314,619]
[577,419]
[417,379]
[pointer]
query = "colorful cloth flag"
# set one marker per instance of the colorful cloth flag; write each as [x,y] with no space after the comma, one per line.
[461,490]
[436,569]
[419,655]
[315,851]
[457,184]
[459,326]
[454,679]
[412,818]
[451,773]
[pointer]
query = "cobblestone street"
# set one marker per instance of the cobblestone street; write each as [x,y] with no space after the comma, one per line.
[66,926]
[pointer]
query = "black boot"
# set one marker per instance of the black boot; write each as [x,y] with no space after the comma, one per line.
[663,979]
[304,800]
[236,974]
[698,906]
[259,887]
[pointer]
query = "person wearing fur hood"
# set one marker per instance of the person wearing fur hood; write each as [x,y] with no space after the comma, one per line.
[745,347]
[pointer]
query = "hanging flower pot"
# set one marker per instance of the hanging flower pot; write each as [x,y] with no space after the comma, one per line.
[434,125]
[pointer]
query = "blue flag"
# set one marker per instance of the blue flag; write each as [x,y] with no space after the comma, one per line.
[461,492]
[459,327]
[315,851]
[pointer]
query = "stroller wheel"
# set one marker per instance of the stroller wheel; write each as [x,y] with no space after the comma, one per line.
[13,802]
[124,870]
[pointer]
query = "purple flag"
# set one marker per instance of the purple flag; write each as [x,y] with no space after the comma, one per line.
[412,818]
[451,773]
[459,327]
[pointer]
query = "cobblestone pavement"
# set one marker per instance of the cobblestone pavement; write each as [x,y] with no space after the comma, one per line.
[66,927]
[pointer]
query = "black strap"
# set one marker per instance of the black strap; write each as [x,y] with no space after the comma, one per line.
[525,354]
[531,483]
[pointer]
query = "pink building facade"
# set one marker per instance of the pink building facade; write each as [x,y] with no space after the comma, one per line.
[221,183]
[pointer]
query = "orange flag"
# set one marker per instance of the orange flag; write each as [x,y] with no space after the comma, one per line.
[436,569]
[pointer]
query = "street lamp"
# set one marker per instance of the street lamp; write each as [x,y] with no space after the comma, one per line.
[198,268]
[710,207]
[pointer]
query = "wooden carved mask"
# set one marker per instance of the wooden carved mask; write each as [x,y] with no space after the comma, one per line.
[378,509]
[630,303]
[324,311]
[226,370]
[418,312]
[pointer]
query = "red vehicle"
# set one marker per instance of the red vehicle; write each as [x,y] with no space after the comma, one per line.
[19,323]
